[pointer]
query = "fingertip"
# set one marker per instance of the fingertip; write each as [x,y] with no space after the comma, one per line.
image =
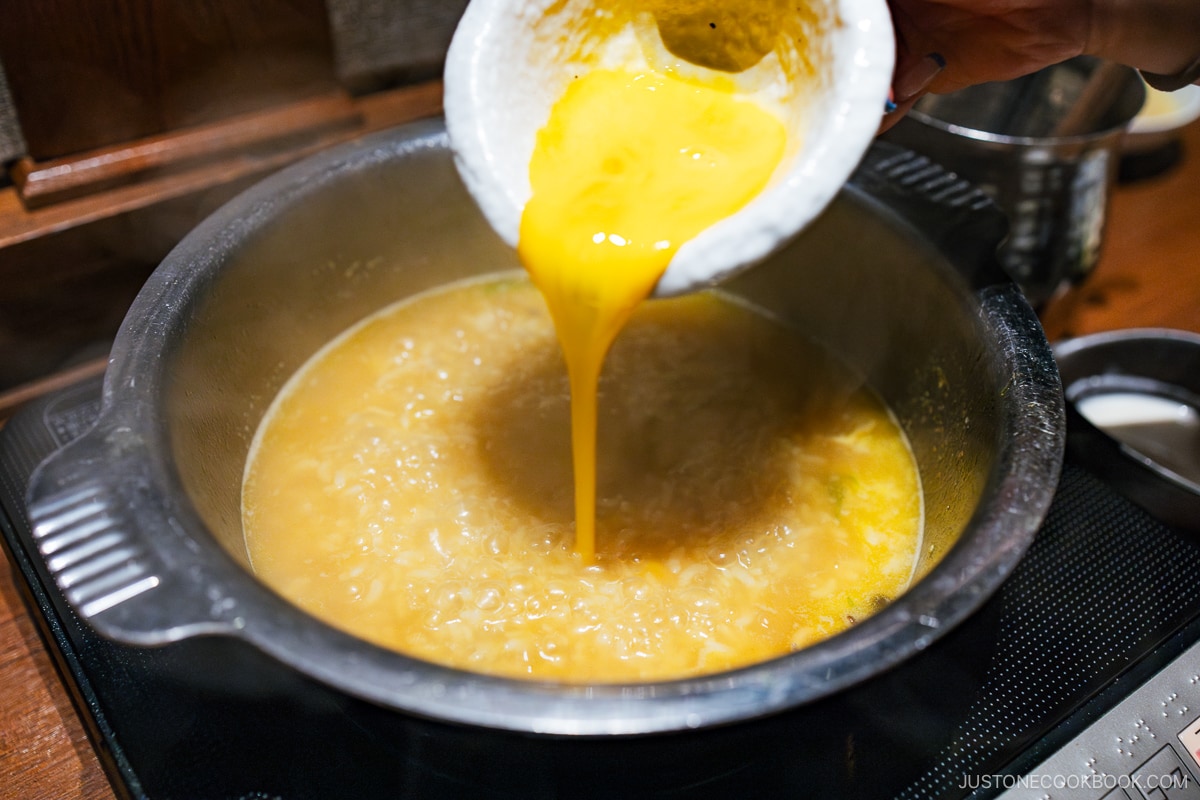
[914,78]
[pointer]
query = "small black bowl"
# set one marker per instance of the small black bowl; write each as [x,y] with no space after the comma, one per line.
[1158,475]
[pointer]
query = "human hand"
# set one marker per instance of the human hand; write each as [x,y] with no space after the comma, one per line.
[945,45]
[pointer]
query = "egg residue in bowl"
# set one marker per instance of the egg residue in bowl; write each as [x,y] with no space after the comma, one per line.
[822,67]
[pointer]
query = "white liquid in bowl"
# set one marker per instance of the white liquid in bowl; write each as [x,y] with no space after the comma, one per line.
[1165,430]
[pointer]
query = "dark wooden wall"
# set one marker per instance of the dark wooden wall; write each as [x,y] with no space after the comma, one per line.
[84,74]
[11,144]
[124,122]
[382,42]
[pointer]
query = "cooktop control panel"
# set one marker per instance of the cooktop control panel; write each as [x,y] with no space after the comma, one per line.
[1146,748]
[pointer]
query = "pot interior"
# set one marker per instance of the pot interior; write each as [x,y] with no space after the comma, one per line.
[296,267]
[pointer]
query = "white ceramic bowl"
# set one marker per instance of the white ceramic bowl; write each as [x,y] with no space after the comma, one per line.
[511,60]
[1162,118]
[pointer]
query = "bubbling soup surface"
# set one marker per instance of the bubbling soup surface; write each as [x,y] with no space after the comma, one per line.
[412,485]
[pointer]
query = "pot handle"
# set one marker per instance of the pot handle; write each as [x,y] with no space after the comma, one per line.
[114,554]
[951,212]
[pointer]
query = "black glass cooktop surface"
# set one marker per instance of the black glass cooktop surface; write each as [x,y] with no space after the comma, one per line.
[1105,597]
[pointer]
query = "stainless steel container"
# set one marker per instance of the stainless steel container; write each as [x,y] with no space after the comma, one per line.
[1046,148]
[1155,460]
[139,520]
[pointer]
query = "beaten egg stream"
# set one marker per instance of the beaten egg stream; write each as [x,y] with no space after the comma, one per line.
[629,167]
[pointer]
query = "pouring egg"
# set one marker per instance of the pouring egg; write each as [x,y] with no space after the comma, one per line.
[628,148]
[821,68]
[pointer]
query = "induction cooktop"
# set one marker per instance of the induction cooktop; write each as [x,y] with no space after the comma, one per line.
[1080,678]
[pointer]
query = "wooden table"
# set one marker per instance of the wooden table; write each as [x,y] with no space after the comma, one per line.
[1149,276]
[1149,271]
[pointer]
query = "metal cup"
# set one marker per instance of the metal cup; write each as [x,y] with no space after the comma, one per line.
[1046,148]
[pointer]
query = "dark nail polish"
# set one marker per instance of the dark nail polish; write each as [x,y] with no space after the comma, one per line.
[917,78]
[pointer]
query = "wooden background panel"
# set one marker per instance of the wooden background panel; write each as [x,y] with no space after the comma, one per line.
[63,298]
[84,74]
[382,42]
[11,144]
[69,271]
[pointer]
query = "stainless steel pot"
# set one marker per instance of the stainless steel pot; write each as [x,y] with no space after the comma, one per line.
[139,520]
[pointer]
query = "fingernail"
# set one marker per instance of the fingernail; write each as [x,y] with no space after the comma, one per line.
[889,105]
[917,78]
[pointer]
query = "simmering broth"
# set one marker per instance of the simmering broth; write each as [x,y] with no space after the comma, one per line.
[413,486]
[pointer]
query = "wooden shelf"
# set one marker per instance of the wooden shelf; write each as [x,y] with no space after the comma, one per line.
[194,161]
[70,269]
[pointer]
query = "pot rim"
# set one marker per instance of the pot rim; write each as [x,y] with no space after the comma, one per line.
[124,466]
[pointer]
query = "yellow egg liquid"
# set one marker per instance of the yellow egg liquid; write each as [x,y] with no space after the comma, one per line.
[629,167]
